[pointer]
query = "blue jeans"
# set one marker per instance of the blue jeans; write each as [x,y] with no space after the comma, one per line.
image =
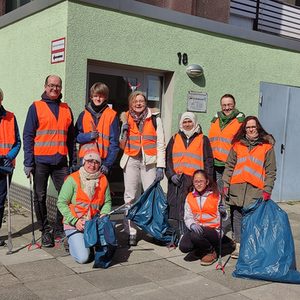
[76,246]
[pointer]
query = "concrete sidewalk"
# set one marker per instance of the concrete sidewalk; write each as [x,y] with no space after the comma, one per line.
[144,272]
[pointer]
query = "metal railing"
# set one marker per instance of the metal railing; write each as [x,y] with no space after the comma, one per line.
[269,16]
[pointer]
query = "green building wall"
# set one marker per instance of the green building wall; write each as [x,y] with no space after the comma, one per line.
[92,33]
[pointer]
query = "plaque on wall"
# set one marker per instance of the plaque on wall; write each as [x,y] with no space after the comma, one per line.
[197,101]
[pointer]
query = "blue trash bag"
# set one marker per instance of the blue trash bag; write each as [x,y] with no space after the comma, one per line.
[267,247]
[100,233]
[150,213]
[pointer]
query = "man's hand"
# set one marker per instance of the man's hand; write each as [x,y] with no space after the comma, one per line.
[94,135]
[176,179]
[80,224]
[104,169]
[197,228]
[159,174]
[28,170]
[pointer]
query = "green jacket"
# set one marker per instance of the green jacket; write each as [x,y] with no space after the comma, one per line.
[243,194]
[67,195]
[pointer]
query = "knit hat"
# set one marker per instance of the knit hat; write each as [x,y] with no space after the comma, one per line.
[92,154]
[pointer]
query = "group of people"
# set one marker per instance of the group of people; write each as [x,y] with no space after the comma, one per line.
[236,160]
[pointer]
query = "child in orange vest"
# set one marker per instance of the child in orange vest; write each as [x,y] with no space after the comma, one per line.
[202,212]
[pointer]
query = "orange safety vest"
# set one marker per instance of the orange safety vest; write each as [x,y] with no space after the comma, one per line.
[207,215]
[84,205]
[7,134]
[137,140]
[220,140]
[102,143]
[51,134]
[250,164]
[187,160]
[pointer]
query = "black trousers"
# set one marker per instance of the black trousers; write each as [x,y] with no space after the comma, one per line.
[58,173]
[3,194]
[202,243]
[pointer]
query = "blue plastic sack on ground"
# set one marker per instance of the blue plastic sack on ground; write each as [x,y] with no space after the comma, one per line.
[267,247]
[100,232]
[150,213]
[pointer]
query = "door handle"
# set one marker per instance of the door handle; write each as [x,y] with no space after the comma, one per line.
[282,148]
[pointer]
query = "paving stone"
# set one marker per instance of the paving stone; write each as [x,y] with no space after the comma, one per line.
[3,270]
[80,268]
[134,255]
[158,270]
[8,280]
[162,251]
[62,287]
[233,296]
[114,278]
[32,271]
[235,284]
[22,255]
[147,291]
[273,291]
[101,295]
[17,292]
[194,286]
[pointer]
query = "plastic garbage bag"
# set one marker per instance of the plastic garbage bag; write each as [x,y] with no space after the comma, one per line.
[100,232]
[150,213]
[267,247]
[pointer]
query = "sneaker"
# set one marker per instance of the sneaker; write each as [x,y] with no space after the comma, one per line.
[47,239]
[132,240]
[235,254]
[208,259]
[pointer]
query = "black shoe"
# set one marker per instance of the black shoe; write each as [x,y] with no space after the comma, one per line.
[66,245]
[2,243]
[132,240]
[47,239]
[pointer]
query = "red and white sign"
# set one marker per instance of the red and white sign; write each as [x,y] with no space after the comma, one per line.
[58,51]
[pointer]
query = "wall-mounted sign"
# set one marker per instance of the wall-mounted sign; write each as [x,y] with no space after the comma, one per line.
[58,51]
[197,101]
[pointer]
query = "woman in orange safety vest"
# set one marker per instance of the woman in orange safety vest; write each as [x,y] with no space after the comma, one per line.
[84,194]
[202,212]
[187,151]
[143,161]
[250,171]
[10,144]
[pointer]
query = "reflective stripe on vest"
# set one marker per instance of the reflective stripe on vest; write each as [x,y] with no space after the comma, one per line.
[220,140]
[7,133]
[137,140]
[103,127]
[84,205]
[208,214]
[51,134]
[187,160]
[250,164]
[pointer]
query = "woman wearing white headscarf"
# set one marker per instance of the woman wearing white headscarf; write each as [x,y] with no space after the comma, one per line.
[187,151]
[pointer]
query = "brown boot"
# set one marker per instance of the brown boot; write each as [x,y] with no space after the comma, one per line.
[208,259]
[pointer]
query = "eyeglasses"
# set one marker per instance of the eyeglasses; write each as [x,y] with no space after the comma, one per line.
[195,182]
[93,161]
[251,127]
[52,86]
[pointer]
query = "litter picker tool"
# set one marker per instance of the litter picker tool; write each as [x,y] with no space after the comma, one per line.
[34,244]
[220,265]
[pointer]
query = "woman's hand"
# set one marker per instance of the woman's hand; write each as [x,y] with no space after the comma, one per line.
[80,224]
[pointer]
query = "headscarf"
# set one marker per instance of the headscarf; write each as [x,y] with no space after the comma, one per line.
[196,127]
